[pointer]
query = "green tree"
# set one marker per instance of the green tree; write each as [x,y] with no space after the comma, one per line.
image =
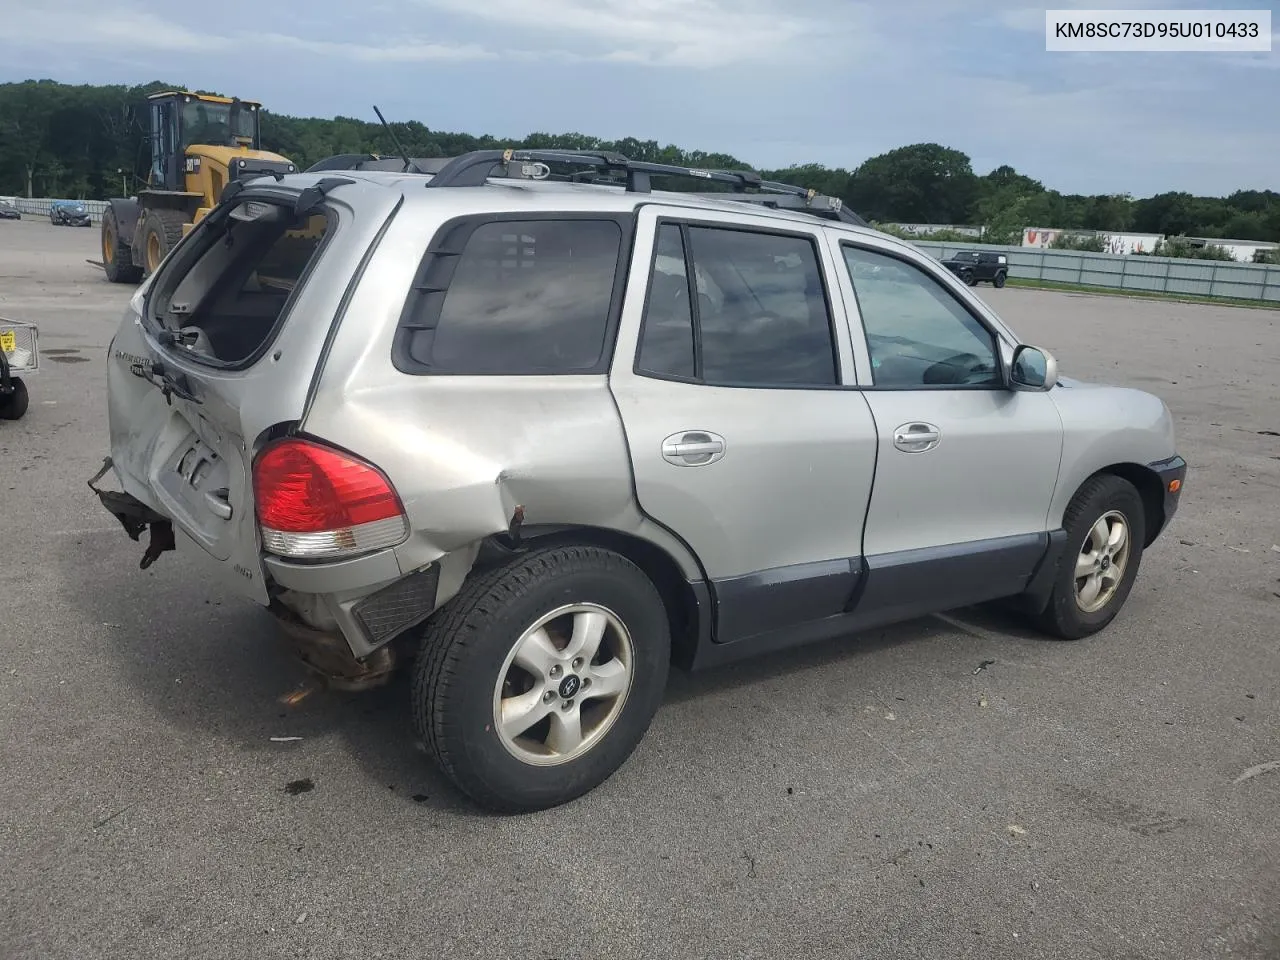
[920,183]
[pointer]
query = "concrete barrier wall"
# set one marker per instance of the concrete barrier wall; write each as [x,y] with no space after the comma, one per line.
[1173,275]
[39,206]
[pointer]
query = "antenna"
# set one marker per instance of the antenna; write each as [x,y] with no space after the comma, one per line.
[404,154]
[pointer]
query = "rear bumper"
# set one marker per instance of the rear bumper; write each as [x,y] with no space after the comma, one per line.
[1172,473]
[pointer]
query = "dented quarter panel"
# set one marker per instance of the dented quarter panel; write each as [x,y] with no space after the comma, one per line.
[465,452]
[235,406]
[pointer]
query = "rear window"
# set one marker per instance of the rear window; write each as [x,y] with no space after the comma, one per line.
[227,296]
[515,297]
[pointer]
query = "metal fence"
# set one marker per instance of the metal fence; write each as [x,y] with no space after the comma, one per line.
[39,206]
[1173,275]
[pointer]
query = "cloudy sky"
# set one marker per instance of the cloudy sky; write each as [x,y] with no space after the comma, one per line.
[773,82]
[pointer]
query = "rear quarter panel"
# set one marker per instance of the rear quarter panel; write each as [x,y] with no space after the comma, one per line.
[464,452]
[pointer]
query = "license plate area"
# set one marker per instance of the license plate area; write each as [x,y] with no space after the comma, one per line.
[196,483]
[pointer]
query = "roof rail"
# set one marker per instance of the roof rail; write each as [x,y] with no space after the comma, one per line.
[475,168]
[817,204]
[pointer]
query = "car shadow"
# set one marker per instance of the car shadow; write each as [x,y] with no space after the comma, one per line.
[214,664]
[980,622]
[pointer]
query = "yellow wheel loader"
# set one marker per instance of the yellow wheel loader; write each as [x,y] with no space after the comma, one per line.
[199,144]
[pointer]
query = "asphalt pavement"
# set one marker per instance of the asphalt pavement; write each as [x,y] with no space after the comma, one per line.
[879,796]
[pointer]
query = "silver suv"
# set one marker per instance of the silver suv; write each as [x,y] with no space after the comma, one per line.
[539,431]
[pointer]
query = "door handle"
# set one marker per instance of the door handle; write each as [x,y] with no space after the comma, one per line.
[217,502]
[693,448]
[916,437]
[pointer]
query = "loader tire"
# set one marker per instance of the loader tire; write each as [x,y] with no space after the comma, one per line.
[117,256]
[161,231]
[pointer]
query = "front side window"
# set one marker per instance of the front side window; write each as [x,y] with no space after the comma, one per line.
[757,316]
[523,297]
[918,334]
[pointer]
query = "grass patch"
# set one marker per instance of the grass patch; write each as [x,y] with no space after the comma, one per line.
[1141,294]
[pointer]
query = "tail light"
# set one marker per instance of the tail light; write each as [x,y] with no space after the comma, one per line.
[316,503]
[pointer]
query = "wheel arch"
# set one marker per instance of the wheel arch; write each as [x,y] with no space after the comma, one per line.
[687,615]
[1149,488]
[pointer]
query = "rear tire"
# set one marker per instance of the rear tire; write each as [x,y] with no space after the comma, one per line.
[999,280]
[1106,529]
[13,406]
[117,256]
[483,658]
[161,231]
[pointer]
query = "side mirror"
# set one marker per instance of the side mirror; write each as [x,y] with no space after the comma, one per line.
[1033,369]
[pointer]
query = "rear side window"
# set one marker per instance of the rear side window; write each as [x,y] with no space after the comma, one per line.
[757,317]
[515,297]
[227,296]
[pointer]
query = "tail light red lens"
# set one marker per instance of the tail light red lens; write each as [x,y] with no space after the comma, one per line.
[316,502]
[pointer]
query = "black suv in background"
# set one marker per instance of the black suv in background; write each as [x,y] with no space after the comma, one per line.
[973,267]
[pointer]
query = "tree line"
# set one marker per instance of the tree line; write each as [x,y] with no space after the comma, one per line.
[89,141]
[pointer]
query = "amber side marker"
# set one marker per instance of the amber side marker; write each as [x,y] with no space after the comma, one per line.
[1175,486]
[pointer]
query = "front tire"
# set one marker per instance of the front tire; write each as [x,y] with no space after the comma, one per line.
[538,680]
[117,256]
[161,231]
[1106,530]
[999,280]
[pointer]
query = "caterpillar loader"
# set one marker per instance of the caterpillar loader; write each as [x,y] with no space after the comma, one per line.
[199,144]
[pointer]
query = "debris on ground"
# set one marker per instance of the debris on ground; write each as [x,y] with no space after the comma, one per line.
[295,787]
[1017,831]
[285,739]
[983,665]
[1258,771]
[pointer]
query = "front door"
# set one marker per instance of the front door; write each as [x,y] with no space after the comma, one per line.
[729,376]
[967,467]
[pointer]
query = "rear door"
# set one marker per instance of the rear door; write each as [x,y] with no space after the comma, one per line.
[250,312]
[745,439]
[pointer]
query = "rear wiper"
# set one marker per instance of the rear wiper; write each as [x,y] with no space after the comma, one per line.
[156,375]
[177,338]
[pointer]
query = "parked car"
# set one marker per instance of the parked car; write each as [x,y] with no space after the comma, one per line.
[974,267]
[540,440]
[9,210]
[69,213]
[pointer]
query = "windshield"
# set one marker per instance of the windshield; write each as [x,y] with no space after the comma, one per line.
[204,122]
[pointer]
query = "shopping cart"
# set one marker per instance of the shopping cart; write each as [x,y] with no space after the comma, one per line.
[19,354]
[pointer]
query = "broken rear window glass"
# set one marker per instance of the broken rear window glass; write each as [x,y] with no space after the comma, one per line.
[227,302]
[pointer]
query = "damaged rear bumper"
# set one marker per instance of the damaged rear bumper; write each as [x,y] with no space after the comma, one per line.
[136,517]
[339,618]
